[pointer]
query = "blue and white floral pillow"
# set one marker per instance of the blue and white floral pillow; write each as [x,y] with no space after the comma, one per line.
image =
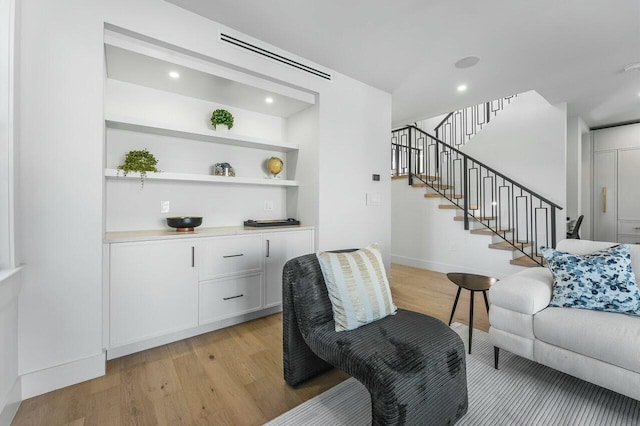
[602,281]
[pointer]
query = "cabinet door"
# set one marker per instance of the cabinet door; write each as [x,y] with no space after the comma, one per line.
[605,215]
[153,290]
[279,248]
[629,184]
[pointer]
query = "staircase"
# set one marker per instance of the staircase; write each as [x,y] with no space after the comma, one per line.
[485,201]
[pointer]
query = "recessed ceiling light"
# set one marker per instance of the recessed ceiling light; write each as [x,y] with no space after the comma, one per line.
[632,67]
[174,74]
[462,88]
[467,62]
[269,100]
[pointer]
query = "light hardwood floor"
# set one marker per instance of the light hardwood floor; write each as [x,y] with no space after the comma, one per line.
[231,376]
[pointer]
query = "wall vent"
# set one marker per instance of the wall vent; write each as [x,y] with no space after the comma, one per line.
[274,56]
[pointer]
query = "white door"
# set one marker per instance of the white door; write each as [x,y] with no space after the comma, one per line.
[629,184]
[279,248]
[153,290]
[605,215]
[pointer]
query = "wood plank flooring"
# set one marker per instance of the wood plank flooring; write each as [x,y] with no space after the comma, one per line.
[231,376]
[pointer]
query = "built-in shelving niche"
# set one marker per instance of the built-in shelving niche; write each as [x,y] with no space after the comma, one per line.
[145,108]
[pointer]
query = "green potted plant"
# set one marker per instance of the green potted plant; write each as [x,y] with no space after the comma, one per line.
[222,116]
[139,161]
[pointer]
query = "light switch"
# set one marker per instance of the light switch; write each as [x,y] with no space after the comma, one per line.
[373,199]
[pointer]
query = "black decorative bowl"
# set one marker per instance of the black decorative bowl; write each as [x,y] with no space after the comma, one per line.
[184,223]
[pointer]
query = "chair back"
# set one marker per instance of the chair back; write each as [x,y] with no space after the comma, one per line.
[574,232]
[306,292]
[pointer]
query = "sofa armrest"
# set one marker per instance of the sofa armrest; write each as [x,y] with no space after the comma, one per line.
[528,291]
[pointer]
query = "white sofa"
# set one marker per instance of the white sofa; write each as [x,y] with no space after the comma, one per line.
[599,347]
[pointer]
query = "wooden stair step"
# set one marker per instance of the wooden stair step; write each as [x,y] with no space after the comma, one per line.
[503,245]
[455,206]
[433,195]
[461,218]
[525,261]
[488,231]
[418,185]
[424,177]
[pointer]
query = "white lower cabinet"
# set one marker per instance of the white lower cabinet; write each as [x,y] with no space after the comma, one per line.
[280,247]
[164,290]
[153,290]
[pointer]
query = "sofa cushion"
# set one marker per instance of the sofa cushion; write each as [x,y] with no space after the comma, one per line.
[527,291]
[608,337]
[602,280]
[358,287]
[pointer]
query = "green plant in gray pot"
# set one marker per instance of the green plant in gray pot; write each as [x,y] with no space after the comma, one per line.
[222,116]
[141,161]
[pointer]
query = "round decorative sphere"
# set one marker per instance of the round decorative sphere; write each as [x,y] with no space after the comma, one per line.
[275,165]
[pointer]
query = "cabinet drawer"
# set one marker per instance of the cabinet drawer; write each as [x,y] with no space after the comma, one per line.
[219,257]
[629,228]
[225,298]
[629,239]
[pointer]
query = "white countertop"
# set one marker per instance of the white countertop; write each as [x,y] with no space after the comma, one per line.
[166,234]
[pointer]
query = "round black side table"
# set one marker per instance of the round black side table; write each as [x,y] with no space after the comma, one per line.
[473,283]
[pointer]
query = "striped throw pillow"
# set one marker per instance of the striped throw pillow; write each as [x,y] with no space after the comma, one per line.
[358,287]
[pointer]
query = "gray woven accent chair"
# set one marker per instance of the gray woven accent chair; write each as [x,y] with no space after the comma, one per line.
[413,365]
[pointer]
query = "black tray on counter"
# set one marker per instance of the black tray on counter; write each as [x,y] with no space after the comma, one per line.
[277,222]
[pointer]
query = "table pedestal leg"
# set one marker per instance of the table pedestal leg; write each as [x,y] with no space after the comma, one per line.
[454,305]
[471,318]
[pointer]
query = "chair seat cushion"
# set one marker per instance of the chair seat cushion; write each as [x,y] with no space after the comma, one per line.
[399,344]
[609,337]
[413,365]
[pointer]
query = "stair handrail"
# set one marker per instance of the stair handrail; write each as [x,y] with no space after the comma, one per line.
[477,124]
[483,165]
[418,167]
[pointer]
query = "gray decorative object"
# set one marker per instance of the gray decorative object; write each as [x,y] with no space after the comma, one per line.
[412,365]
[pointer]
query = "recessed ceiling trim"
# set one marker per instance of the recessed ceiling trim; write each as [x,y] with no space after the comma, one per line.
[114,37]
[274,56]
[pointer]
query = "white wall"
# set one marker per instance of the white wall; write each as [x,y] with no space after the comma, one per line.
[10,383]
[575,130]
[586,179]
[354,145]
[525,142]
[62,158]
[427,237]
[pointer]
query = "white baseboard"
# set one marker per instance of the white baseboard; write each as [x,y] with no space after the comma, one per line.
[130,348]
[49,379]
[12,403]
[439,266]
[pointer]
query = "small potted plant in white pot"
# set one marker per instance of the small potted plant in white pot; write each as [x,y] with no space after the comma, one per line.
[221,117]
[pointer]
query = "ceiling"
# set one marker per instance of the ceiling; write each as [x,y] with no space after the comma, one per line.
[571,51]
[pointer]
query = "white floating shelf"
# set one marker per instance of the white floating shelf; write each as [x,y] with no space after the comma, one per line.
[188,177]
[223,137]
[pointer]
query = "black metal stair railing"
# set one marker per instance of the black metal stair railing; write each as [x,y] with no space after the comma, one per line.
[459,126]
[522,218]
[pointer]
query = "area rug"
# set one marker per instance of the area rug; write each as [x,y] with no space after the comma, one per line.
[522,392]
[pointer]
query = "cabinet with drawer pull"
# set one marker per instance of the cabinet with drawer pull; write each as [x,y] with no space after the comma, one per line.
[165,287]
[226,297]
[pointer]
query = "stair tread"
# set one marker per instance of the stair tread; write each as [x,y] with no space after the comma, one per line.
[525,261]
[488,231]
[433,195]
[461,218]
[504,245]
[448,206]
